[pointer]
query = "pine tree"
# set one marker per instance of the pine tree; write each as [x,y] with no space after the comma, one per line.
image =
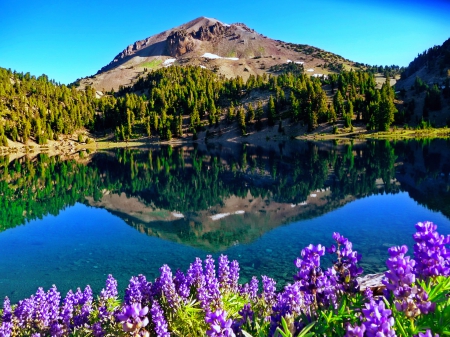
[241,119]
[230,115]
[195,119]
[338,102]
[259,111]
[295,107]
[250,113]
[272,112]
[312,118]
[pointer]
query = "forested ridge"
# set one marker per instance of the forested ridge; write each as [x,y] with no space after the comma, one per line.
[436,57]
[41,109]
[172,101]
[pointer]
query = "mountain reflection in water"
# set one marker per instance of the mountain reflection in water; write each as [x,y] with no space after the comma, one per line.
[219,199]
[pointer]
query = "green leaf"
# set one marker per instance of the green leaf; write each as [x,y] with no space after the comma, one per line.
[246,334]
[284,323]
[305,330]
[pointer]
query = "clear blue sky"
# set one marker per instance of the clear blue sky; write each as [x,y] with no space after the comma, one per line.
[71,39]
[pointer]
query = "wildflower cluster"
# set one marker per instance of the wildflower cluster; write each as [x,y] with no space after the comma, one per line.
[209,300]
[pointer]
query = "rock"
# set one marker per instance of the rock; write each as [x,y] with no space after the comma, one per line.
[210,33]
[372,281]
[179,43]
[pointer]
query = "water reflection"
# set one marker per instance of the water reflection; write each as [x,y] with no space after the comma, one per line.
[217,197]
[210,200]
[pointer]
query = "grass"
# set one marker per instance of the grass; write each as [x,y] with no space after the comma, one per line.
[261,50]
[398,134]
[152,64]
[232,54]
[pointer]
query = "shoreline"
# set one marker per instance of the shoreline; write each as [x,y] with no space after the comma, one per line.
[71,147]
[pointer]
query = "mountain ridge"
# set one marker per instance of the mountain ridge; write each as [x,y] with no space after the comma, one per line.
[228,49]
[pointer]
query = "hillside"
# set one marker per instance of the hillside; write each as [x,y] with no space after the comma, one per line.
[231,50]
[424,87]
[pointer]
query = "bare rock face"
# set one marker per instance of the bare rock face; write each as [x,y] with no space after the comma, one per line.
[210,33]
[179,42]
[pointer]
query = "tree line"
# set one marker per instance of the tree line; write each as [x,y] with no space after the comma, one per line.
[171,101]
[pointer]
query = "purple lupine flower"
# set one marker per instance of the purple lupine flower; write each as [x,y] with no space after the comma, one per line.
[219,325]
[400,275]
[247,313]
[83,317]
[24,312]
[159,322]
[368,294]
[57,330]
[345,269]
[234,275]
[145,288]
[212,284]
[203,295]
[224,273]
[355,331]
[247,317]
[318,288]
[110,291]
[138,291]
[133,292]
[269,288]
[7,312]
[428,333]
[6,329]
[167,287]
[430,251]
[54,301]
[67,309]
[378,320]
[422,302]
[290,301]
[250,289]
[133,317]
[97,330]
[293,298]
[181,285]
[310,261]
[75,310]
[411,299]
[41,309]
[107,293]
[196,279]
[279,310]
[194,274]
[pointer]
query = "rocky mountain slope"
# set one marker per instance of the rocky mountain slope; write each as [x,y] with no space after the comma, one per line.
[230,50]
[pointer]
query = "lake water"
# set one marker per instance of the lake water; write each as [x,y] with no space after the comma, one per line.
[127,212]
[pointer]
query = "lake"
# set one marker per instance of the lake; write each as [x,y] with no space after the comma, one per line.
[71,222]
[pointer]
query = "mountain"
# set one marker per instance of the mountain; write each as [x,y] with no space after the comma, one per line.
[230,50]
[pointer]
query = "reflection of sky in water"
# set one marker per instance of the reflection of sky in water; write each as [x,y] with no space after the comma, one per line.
[82,245]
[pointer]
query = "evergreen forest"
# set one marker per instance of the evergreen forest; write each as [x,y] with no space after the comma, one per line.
[173,101]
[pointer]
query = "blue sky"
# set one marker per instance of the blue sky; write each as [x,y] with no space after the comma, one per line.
[71,39]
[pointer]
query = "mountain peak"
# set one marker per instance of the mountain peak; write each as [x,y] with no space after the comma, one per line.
[229,49]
